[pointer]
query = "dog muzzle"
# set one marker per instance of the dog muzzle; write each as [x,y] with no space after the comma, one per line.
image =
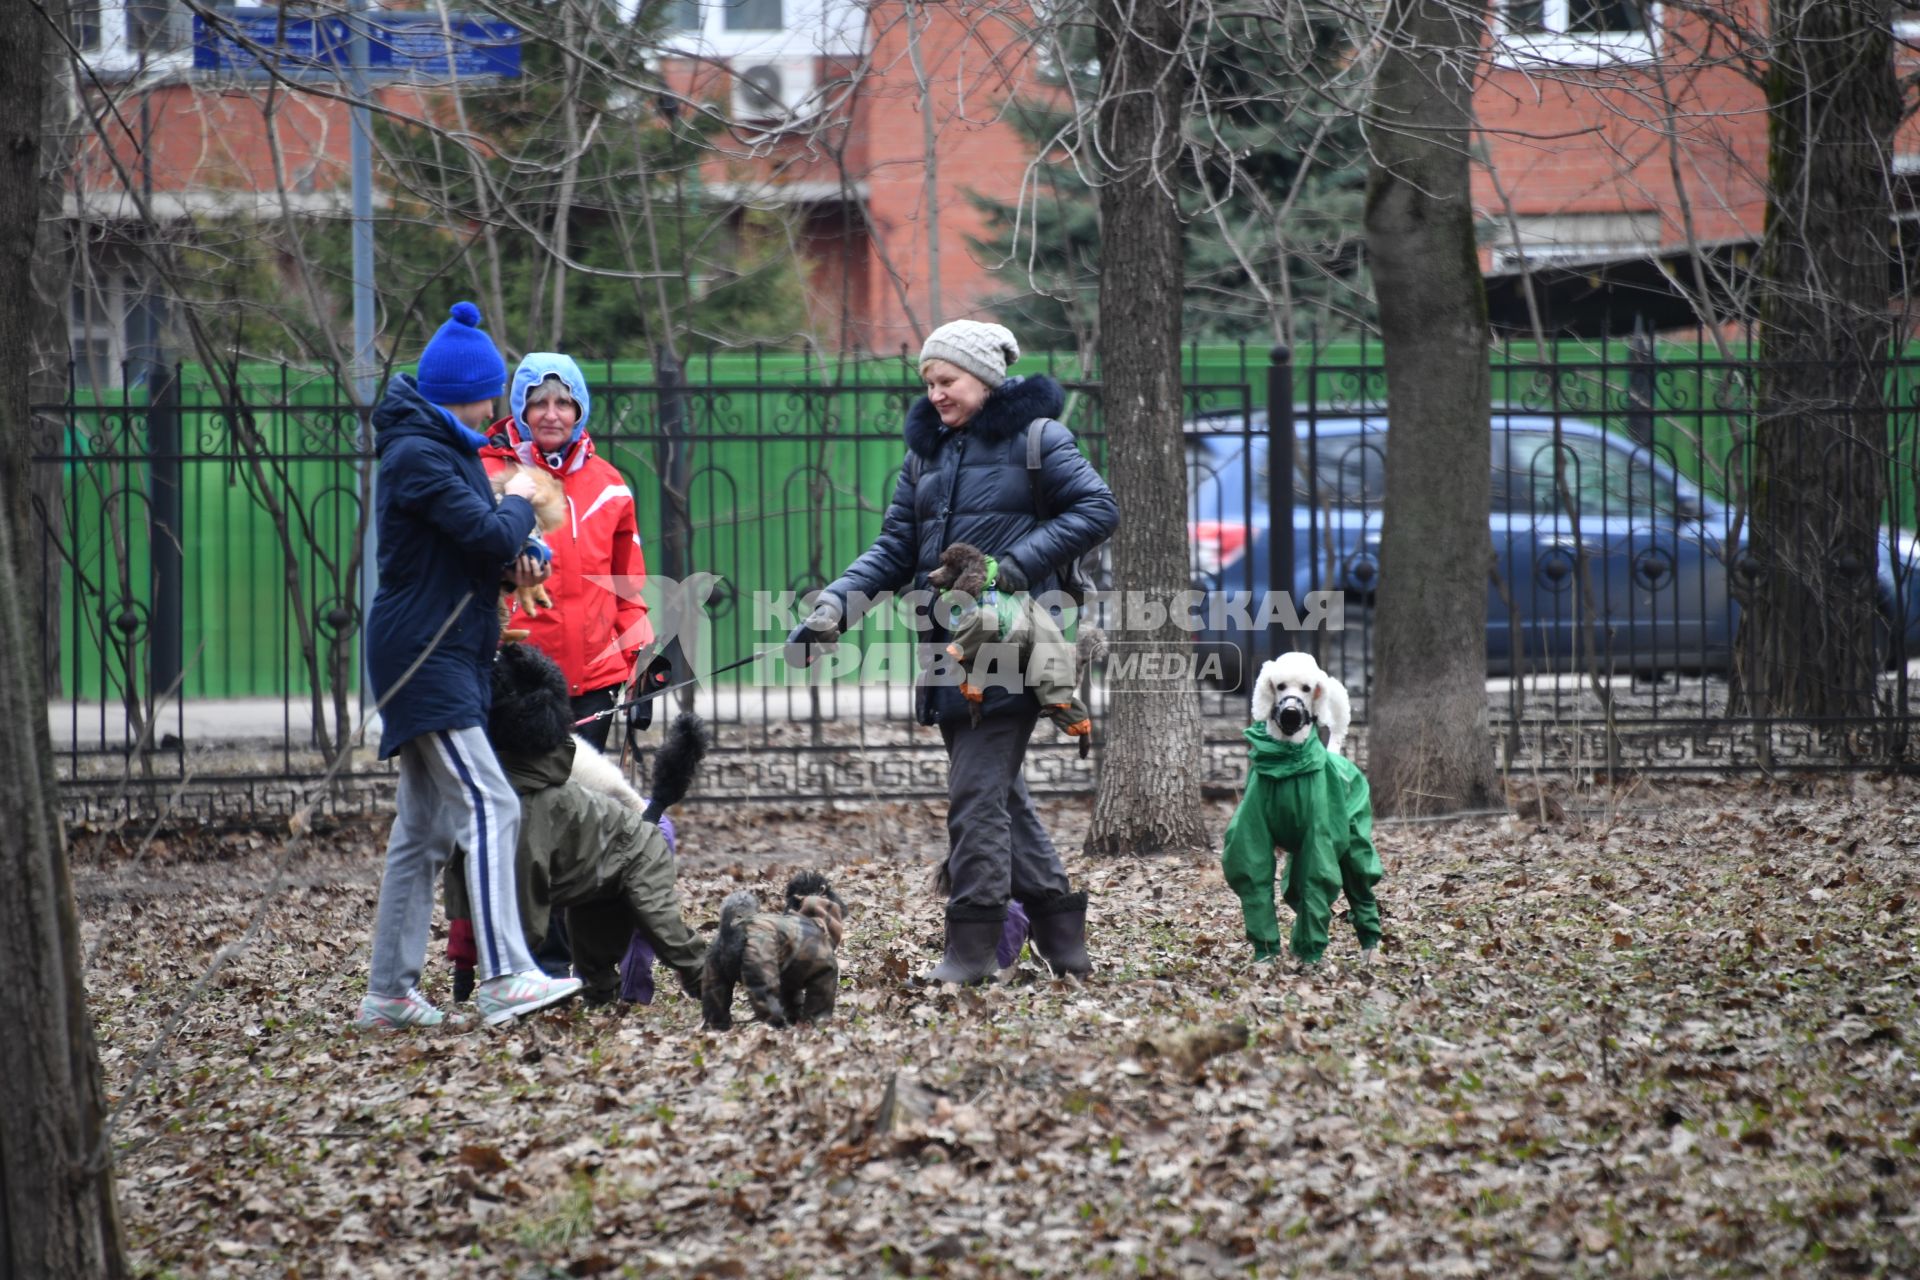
[1292,716]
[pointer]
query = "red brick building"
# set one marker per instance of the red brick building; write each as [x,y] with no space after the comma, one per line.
[1610,130]
[155,140]
[871,125]
[1609,126]
[823,127]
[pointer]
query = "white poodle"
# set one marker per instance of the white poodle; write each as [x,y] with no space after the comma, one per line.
[595,772]
[1293,694]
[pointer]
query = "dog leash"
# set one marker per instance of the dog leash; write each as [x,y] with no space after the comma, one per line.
[673,688]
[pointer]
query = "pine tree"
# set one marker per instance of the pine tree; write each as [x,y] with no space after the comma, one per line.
[1271,186]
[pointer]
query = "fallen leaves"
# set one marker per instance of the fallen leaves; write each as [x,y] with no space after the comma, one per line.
[483,1160]
[1187,1052]
[1614,1043]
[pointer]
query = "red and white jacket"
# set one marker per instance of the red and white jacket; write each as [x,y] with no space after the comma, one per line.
[595,630]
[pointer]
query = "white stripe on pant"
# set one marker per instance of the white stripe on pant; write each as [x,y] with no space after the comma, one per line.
[451,792]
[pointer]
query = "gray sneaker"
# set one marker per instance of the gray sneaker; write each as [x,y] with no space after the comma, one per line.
[506,997]
[384,1013]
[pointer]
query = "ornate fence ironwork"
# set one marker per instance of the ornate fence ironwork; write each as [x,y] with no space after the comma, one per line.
[200,572]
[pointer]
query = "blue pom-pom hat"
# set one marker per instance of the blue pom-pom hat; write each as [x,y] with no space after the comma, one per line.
[461,365]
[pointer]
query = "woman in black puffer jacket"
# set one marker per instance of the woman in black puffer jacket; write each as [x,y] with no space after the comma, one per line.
[966,480]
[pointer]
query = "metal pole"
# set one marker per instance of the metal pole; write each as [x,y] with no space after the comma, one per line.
[676,521]
[1640,383]
[361,158]
[163,432]
[1280,549]
[930,198]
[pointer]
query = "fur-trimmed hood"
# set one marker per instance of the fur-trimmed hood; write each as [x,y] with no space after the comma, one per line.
[1009,408]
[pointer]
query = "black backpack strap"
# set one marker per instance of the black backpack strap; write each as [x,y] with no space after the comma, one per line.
[1036,441]
[1072,579]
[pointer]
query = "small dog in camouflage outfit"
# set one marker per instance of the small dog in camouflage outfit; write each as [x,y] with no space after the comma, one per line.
[788,960]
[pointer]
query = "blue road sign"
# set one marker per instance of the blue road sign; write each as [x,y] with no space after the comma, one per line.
[401,47]
[244,41]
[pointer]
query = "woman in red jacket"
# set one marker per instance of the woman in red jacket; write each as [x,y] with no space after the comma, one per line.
[598,625]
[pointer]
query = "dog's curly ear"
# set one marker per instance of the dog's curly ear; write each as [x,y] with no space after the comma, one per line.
[1263,695]
[827,914]
[953,563]
[531,712]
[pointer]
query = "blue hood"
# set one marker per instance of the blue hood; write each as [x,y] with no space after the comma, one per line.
[404,412]
[534,370]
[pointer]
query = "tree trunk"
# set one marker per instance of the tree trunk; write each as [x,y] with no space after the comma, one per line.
[1818,463]
[57,1216]
[52,370]
[1428,749]
[1149,797]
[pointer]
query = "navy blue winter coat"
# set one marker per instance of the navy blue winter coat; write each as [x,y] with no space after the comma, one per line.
[441,537]
[974,488]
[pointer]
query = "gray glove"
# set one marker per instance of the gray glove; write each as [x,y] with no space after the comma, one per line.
[821,630]
[1010,577]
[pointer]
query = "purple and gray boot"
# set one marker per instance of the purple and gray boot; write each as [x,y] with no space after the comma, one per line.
[636,967]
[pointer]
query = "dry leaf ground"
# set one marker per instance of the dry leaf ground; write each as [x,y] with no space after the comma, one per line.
[1674,1039]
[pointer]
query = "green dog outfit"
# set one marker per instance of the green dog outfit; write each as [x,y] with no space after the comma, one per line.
[1317,806]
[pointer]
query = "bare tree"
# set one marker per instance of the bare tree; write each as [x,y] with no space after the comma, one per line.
[1150,784]
[1818,463]
[57,1214]
[1807,475]
[1428,746]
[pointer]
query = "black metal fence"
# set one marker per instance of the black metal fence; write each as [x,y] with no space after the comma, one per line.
[200,569]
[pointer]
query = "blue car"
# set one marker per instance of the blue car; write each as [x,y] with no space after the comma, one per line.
[1655,544]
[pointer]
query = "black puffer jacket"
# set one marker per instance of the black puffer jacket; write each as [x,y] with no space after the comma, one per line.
[974,488]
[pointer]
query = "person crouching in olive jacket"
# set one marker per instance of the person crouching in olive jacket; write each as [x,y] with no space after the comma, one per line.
[581,849]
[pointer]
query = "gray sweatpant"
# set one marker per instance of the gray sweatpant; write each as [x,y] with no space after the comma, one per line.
[996,847]
[451,792]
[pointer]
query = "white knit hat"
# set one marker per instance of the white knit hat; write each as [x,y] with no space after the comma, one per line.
[983,350]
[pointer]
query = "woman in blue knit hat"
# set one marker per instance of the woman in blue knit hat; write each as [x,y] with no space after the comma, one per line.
[444,548]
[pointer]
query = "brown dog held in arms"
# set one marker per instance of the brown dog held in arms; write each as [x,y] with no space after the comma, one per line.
[786,959]
[549,513]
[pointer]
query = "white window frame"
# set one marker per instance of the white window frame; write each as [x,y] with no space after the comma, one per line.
[102,304]
[834,28]
[1556,46]
[116,57]
[1539,257]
